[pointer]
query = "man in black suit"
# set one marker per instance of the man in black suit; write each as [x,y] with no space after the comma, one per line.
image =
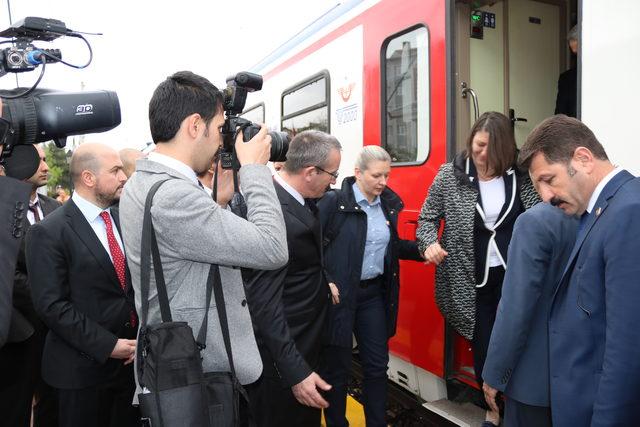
[14,197]
[82,291]
[566,99]
[289,306]
[20,358]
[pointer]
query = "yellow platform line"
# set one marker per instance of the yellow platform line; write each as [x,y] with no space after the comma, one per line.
[355,413]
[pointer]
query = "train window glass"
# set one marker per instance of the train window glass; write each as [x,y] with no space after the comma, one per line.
[306,105]
[309,95]
[406,96]
[254,114]
[315,119]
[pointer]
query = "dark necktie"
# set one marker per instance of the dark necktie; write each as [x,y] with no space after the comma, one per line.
[33,207]
[116,255]
[311,205]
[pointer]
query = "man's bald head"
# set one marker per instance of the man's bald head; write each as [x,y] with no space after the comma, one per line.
[87,157]
[97,174]
[128,156]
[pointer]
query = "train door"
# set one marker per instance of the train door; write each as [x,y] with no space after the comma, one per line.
[508,55]
[537,53]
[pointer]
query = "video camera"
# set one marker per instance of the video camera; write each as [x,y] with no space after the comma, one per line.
[235,97]
[30,116]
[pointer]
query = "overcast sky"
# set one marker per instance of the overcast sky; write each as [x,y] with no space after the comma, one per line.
[145,41]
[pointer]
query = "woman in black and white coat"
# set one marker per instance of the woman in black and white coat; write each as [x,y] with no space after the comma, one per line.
[479,195]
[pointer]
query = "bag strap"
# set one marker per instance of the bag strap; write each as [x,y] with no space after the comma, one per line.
[150,245]
[148,238]
[214,273]
[222,313]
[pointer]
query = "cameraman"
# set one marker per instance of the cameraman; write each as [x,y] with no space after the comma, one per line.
[14,202]
[193,231]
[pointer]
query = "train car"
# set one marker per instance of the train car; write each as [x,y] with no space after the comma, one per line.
[411,76]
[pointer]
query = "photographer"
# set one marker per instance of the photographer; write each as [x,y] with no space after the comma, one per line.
[193,231]
[13,211]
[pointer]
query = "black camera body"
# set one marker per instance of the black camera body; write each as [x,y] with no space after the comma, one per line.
[30,116]
[25,57]
[235,97]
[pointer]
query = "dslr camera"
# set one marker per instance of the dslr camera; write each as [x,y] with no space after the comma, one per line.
[31,115]
[235,97]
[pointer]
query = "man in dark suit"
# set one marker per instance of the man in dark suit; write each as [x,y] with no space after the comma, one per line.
[13,207]
[594,356]
[82,291]
[20,358]
[14,199]
[289,306]
[517,359]
[566,99]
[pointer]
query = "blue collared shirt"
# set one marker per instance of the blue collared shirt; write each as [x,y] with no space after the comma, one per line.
[378,236]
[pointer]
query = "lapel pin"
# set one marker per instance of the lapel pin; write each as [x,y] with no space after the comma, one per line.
[598,211]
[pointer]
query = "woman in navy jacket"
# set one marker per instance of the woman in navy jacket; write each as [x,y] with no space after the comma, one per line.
[362,249]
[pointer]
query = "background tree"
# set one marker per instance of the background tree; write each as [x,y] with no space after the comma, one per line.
[58,161]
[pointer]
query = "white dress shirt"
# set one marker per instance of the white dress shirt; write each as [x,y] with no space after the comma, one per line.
[174,164]
[600,187]
[289,189]
[30,216]
[91,213]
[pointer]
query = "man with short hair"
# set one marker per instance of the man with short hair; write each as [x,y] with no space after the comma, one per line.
[129,156]
[21,357]
[594,356]
[289,305]
[193,232]
[82,292]
[517,358]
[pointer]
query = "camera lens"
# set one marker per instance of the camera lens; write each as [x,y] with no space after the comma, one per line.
[279,146]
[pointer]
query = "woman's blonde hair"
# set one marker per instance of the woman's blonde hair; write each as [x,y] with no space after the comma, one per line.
[371,153]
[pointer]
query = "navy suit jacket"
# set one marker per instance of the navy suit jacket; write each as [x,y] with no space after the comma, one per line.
[517,359]
[594,325]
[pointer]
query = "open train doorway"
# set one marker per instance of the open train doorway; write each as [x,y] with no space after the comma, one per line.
[507,57]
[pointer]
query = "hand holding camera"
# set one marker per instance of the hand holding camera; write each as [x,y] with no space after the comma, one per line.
[256,151]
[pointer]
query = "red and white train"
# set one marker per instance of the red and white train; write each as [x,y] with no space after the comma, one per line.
[411,74]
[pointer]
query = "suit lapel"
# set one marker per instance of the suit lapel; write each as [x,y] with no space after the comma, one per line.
[292,206]
[85,233]
[601,205]
[47,205]
[115,214]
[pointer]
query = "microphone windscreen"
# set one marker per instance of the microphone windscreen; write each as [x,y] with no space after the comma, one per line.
[23,162]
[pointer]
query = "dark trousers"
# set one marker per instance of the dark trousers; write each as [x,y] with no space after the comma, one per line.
[20,382]
[518,414]
[370,329]
[487,299]
[273,405]
[105,405]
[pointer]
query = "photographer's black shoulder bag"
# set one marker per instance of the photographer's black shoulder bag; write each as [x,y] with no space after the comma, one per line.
[176,391]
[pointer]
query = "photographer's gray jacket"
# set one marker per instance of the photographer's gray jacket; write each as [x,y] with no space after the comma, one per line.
[193,232]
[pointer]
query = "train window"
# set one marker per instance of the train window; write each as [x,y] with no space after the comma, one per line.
[255,113]
[405,96]
[306,105]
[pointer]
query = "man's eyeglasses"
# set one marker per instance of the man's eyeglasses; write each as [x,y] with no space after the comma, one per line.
[333,174]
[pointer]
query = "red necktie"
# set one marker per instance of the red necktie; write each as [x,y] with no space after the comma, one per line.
[116,255]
